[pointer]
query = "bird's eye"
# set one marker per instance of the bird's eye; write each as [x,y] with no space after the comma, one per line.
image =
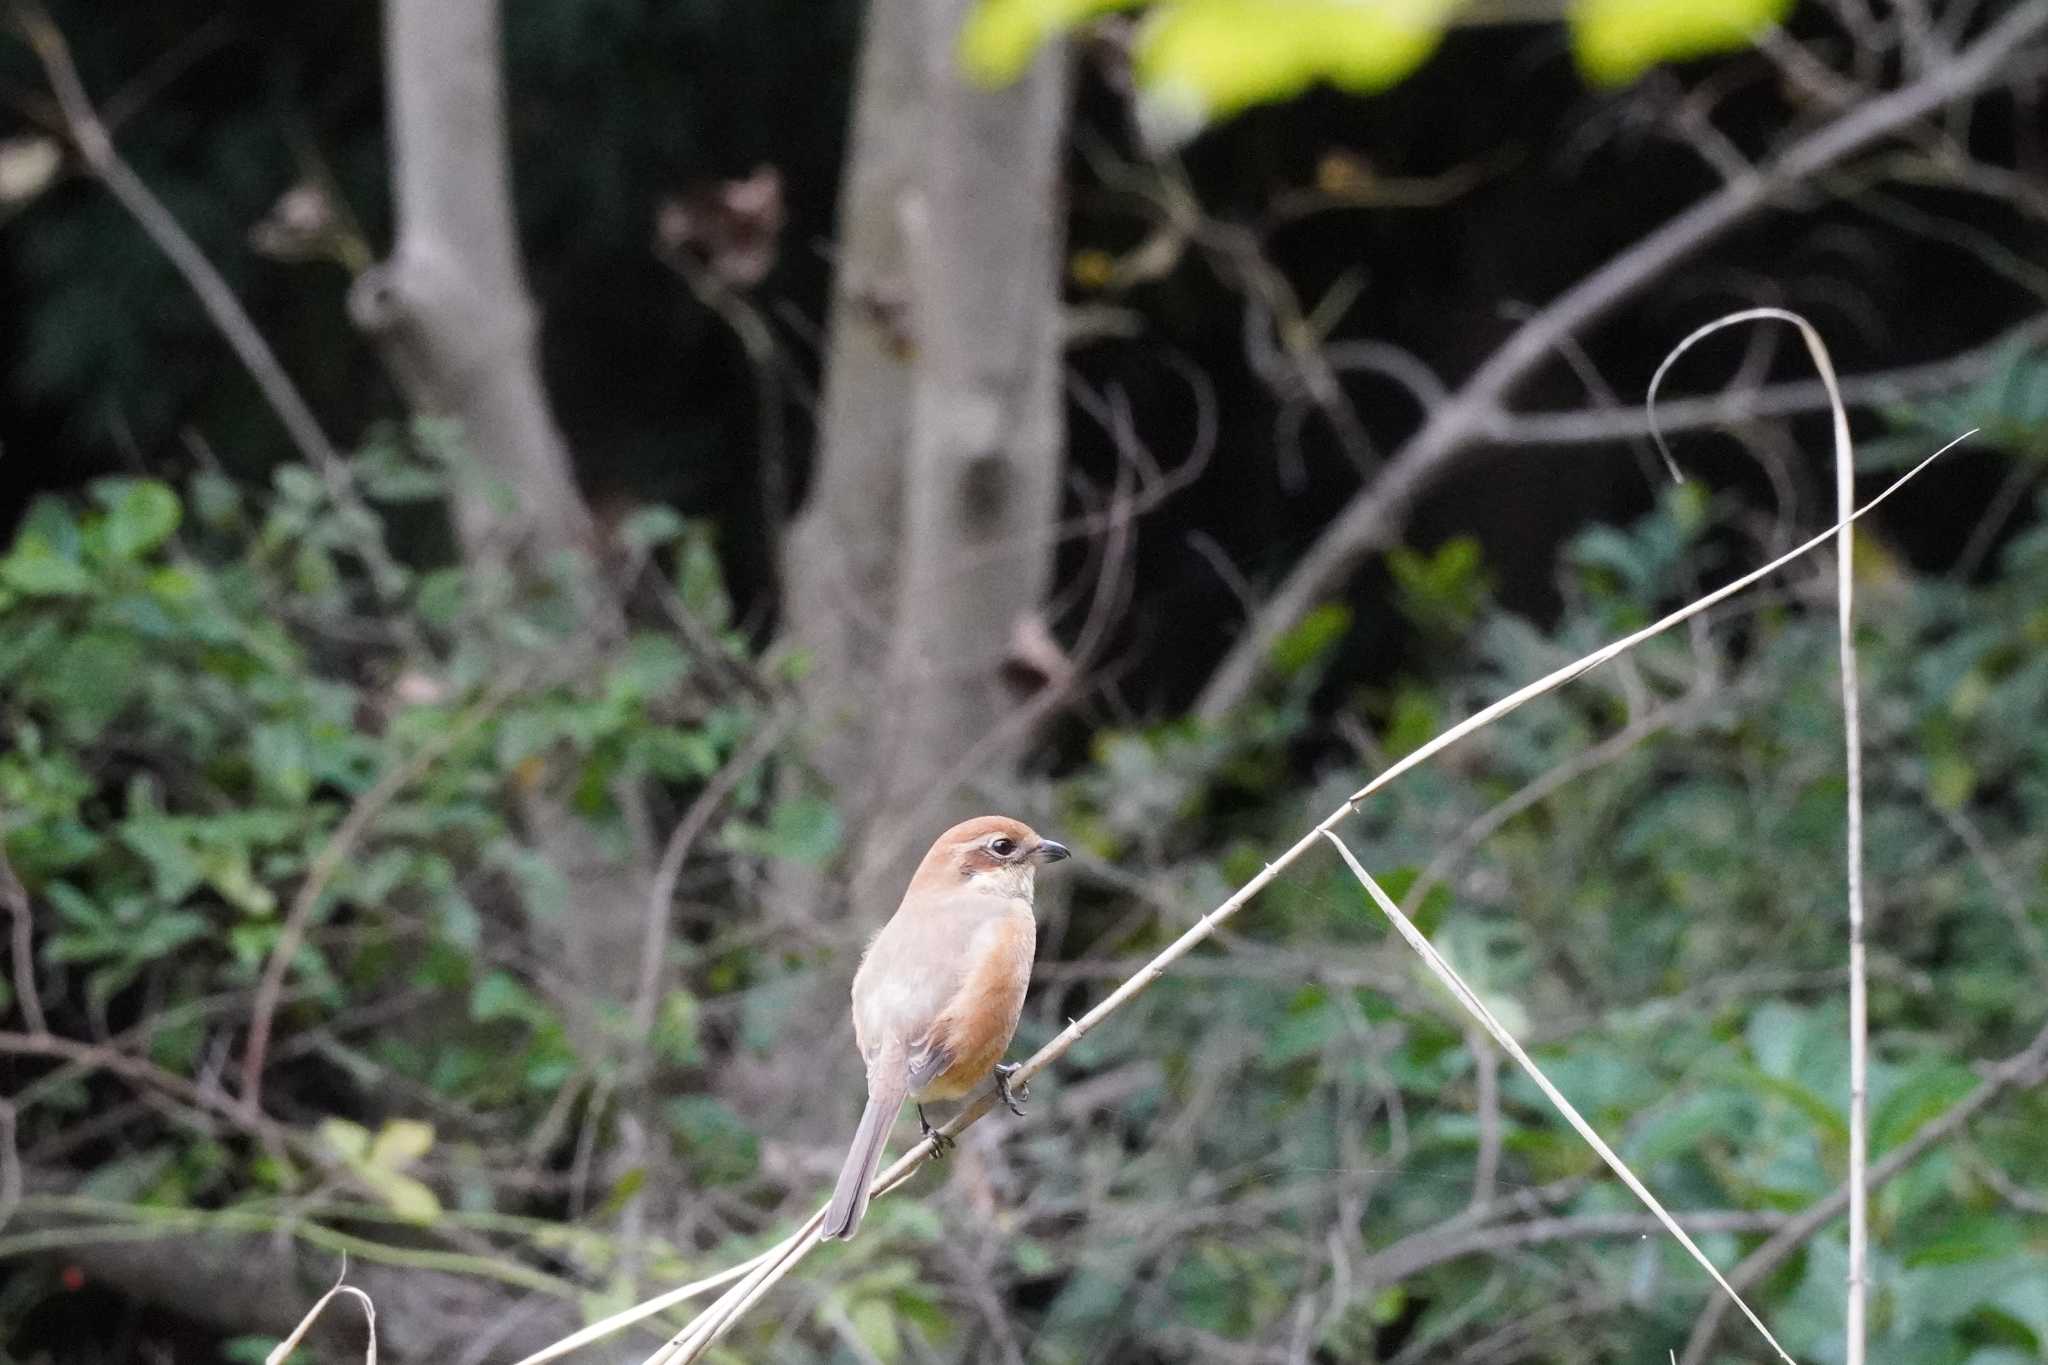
[1002,848]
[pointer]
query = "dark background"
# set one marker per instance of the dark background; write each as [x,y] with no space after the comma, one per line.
[109,364]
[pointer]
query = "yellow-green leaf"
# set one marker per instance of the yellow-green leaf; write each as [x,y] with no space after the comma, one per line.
[403,1195]
[1201,60]
[400,1143]
[1002,36]
[1618,40]
[347,1140]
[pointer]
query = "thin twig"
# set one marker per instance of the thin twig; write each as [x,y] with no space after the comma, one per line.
[1432,1247]
[2011,899]
[367,807]
[1793,398]
[21,945]
[284,1348]
[1374,516]
[1486,1104]
[11,1181]
[88,134]
[662,890]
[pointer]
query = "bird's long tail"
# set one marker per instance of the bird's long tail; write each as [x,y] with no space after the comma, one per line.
[850,1197]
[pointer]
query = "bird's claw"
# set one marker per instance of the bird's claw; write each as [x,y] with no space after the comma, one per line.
[941,1143]
[1003,1091]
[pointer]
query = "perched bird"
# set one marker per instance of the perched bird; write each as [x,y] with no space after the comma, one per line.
[937,996]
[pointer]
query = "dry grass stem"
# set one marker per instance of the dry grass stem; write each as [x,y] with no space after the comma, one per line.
[1855,1314]
[291,1343]
[1477,1009]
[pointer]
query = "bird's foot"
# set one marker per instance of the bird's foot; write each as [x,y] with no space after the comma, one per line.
[1008,1096]
[941,1144]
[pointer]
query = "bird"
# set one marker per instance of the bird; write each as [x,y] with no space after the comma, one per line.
[938,992]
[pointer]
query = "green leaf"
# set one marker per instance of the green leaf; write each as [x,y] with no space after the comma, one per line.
[499,996]
[803,830]
[48,547]
[676,755]
[1308,643]
[676,1032]
[651,666]
[649,528]
[164,846]
[1618,40]
[90,681]
[721,1149]
[35,568]
[140,515]
[699,580]
[1931,1088]
[1444,589]
[229,874]
[1680,1129]
[216,499]
[282,758]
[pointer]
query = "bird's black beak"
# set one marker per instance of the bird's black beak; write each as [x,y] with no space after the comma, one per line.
[1049,852]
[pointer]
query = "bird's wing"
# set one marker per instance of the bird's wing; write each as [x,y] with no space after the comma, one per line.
[916,965]
[929,1061]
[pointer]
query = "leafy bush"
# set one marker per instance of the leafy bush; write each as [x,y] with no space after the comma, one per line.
[197,690]
[1278,1143]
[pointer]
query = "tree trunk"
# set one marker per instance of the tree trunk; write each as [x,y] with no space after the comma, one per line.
[840,554]
[927,537]
[452,314]
[450,308]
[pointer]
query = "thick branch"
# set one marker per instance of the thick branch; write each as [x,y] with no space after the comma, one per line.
[1374,517]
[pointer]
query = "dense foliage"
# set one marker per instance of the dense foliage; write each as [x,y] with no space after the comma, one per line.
[197,687]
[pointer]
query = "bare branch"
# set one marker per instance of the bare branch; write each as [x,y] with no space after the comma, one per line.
[21,946]
[367,807]
[1741,406]
[88,133]
[1374,517]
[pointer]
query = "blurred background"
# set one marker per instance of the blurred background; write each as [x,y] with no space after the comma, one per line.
[520,524]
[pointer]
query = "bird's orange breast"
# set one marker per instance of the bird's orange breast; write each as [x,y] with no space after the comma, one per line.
[976,1026]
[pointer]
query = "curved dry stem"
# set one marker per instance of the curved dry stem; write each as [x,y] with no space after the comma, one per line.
[1852,728]
[284,1348]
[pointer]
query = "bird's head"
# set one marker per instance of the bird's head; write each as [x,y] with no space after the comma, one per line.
[990,853]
